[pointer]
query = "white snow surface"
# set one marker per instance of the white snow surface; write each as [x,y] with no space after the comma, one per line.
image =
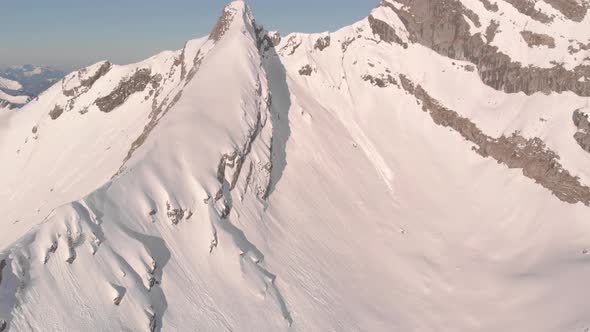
[9,84]
[371,218]
[13,99]
[35,71]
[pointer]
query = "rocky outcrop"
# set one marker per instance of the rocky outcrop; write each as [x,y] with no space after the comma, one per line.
[574,10]
[51,250]
[117,300]
[531,155]
[537,39]
[152,324]
[102,70]
[306,70]
[493,7]
[266,40]
[322,43]
[381,81]
[86,80]
[2,266]
[56,112]
[528,8]
[223,23]
[136,83]
[491,31]
[175,215]
[441,26]
[275,38]
[578,47]
[385,31]
[293,43]
[582,136]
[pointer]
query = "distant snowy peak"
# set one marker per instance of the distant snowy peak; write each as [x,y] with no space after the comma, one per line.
[10,96]
[32,79]
[9,84]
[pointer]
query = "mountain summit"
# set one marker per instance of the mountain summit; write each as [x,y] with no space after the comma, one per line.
[409,172]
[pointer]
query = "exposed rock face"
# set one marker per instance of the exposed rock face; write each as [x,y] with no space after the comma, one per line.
[117,300]
[52,249]
[87,82]
[275,38]
[441,26]
[493,7]
[528,8]
[293,44]
[381,81]
[266,40]
[306,70]
[537,39]
[223,24]
[385,31]
[3,325]
[572,9]
[531,155]
[322,43]
[136,83]
[103,70]
[579,47]
[175,215]
[153,324]
[582,136]
[2,266]
[491,31]
[179,61]
[56,112]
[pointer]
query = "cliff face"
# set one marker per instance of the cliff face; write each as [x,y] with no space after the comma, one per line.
[445,27]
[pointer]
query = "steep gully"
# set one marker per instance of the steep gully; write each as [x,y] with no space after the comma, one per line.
[275,104]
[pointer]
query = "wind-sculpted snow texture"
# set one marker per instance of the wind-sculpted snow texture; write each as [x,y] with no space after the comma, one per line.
[423,169]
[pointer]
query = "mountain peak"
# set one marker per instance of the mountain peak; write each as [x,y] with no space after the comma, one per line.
[250,179]
[228,15]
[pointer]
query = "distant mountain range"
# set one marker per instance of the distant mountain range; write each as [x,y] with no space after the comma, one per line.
[18,84]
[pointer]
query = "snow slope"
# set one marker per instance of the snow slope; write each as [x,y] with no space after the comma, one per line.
[339,181]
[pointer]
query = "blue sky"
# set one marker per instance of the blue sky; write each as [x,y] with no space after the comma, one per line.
[68,34]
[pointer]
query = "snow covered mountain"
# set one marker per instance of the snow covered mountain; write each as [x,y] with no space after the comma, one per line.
[20,83]
[424,169]
[10,84]
[15,99]
[32,79]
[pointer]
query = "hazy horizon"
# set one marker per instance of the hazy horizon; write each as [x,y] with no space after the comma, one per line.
[69,34]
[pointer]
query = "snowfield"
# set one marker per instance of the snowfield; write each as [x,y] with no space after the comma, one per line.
[356,180]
